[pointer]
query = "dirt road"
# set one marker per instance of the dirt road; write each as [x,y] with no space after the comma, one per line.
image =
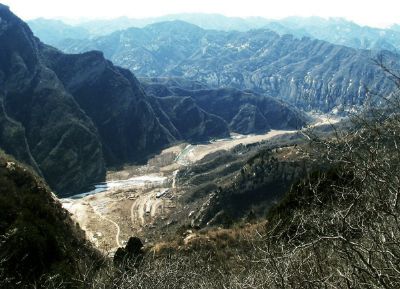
[112,222]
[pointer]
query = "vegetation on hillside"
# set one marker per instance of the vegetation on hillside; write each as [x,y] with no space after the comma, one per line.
[38,239]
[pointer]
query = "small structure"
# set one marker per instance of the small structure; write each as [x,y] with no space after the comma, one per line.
[162,193]
[148,209]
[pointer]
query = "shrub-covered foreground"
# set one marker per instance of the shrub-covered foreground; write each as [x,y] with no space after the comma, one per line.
[37,237]
[337,228]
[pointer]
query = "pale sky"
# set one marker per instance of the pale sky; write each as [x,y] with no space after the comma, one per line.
[378,13]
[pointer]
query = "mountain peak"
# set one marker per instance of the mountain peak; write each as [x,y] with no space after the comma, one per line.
[4,7]
[179,25]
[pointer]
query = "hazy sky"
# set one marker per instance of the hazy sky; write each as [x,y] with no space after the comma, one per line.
[368,12]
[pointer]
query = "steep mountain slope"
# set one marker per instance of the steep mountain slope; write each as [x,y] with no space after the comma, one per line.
[114,101]
[12,138]
[309,73]
[37,235]
[192,121]
[244,111]
[43,124]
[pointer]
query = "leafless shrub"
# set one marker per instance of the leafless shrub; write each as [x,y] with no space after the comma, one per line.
[342,230]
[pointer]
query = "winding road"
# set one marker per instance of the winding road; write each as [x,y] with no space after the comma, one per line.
[111,221]
[147,202]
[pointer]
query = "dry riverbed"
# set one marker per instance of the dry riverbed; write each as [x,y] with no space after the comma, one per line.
[136,199]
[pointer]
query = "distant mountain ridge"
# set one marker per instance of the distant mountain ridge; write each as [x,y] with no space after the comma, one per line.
[308,73]
[54,31]
[339,31]
[334,30]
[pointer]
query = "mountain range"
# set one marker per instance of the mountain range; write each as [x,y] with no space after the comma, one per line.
[305,72]
[72,116]
[334,30]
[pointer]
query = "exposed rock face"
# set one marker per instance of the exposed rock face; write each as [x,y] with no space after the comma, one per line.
[70,114]
[42,123]
[311,74]
[115,102]
[133,250]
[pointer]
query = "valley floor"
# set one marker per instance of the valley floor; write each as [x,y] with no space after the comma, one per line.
[144,201]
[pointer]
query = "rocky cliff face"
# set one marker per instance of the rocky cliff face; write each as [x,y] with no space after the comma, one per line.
[309,73]
[113,99]
[42,123]
[71,116]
